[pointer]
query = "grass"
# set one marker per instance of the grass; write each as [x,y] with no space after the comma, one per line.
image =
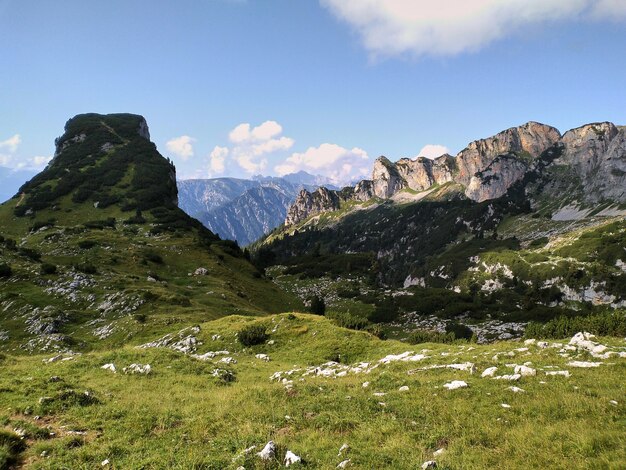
[182,417]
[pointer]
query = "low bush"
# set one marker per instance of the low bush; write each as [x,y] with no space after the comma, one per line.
[610,323]
[349,320]
[252,334]
[318,306]
[5,270]
[47,268]
[428,336]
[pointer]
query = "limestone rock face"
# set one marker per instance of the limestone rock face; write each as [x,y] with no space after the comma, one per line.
[386,178]
[597,153]
[496,179]
[364,190]
[307,204]
[531,139]
[422,173]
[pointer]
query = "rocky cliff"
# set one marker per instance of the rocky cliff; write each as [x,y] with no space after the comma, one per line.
[310,203]
[487,168]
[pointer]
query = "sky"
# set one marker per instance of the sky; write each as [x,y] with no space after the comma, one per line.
[245,87]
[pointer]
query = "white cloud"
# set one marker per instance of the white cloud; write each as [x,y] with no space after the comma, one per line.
[5,160]
[433,151]
[339,164]
[241,133]
[181,146]
[253,145]
[449,27]
[217,160]
[11,143]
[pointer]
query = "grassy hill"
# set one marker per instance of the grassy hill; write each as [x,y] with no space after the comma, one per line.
[94,251]
[184,414]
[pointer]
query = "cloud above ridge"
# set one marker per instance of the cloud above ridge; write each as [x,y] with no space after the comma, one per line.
[451,27]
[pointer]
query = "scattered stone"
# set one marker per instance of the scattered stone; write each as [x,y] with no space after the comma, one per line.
[584,364]
[439,452]
[344,464]
[489,372]
[346,448]
[268,452]
[453,386]
[466,366]
[291,458]
[564,373]
[110,367]
[263,357]
[525,371]
[209,355]
[613,402]
[105,462]
[512,377]
[137,369]
[228,360]
[429,464]
[517,389]
[505,405]
[583,340]
[365,384]
[201,272]
[404,388]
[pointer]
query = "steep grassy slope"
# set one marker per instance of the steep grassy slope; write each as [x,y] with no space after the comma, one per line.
[183,414]
[94,251]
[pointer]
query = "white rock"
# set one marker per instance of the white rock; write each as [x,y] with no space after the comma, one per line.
[209,355]
[439,452]
[613,402]
[584,364]
[291,458]
[453,386]
[528,342]
[513,377]
[429,464]
[268,452]
[228,360]
[404,388]
[110,367]
[379,394]
[343,448]
[525,371]
[201,272]
[517,389]
[263,357]
[542,344]
[137,369]
[344,464]
[564,373]
[505,405]
[489,372]
[105,462]
[365,384]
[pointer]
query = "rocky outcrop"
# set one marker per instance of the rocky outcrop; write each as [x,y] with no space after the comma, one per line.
[597,154]
[422,173]
[527,141]
[386,179]
[488,168]
[307,204]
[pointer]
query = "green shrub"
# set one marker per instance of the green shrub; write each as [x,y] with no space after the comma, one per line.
[428,336]
[5,270]
[87,244]
[47,268]
[377,330]
[86,268]
[252,334]
[318,306]
[385,311]
[349,320]
[610,323]
[29,253]
[11,445]
[459,330]
[153,257]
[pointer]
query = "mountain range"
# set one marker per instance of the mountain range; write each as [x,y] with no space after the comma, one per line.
[528,224]
[244,210]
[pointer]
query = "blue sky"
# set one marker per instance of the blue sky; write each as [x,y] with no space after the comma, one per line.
[324,85]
